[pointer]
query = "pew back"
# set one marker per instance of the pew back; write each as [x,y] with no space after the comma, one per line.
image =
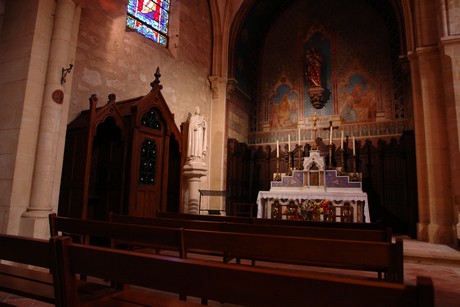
[242,285]
[343,254]
[32,283]
[249,220]
[313,232]
[281,230]
[167,222]
[120,233]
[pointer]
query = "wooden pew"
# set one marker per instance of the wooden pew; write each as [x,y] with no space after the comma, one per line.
[345,254]
[237,219]
[167,222]
[120,234]
[205,217]
[23,281]
[29,274]
[377,257]
[382,235]
[242,285]
[313,232]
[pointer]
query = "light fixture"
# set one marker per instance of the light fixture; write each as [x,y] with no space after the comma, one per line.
[64,73]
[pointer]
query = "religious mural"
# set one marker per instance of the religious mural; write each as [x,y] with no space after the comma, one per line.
[334,67]
[357,99]
[283,108]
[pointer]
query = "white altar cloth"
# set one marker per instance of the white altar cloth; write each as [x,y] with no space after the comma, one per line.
[265,199]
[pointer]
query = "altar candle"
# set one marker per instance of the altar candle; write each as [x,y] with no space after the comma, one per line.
[341,141]
[289,142]
[354,146]
[330,136]
[277,149]
[298,135]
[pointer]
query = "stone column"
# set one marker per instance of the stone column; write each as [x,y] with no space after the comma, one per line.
[451,67]
[52,120]
[218,137]
[433,160]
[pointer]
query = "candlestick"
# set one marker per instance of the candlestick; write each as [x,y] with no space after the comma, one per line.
[354,146]
[289,142]
[298,135]
[330,135]
[341,141]
[277,149]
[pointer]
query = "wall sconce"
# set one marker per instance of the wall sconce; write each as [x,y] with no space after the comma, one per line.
[64,73]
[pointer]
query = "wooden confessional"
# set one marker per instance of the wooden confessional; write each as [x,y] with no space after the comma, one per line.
[125,157]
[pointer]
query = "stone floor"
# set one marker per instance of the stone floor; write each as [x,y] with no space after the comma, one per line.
[440,262]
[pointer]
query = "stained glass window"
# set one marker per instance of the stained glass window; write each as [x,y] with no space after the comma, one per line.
[150,18]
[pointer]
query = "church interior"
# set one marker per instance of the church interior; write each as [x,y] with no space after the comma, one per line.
[262,111]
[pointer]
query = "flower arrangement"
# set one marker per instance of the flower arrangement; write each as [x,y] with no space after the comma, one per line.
[292,211]
[311,210]
[308,210]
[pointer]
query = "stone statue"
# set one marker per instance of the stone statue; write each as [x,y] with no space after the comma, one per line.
[197,140]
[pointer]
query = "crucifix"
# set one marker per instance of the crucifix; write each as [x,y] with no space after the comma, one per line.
[330,128]
[315,119]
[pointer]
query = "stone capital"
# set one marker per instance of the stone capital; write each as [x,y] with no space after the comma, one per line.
[195,169]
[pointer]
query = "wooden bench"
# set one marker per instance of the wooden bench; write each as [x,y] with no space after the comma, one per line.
[359,255]
[29,273]
[313,232]
[382,235]
[242,285]
[252,220]
[35,283]
[204,217]
[380,257]
[119,234]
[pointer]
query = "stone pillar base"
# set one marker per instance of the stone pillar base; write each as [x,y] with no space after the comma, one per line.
[422,231]
[36,227]
[194,171]
[435,233]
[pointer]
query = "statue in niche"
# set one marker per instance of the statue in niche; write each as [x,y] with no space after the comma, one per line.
[314,62]
[197,136]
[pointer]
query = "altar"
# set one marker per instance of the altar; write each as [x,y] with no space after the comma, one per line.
[314,193]
[299,205]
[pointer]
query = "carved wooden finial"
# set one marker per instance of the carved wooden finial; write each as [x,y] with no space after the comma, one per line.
[156,82]
[93,100]
[112,97]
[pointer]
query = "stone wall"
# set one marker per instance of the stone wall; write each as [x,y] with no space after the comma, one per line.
[112,59]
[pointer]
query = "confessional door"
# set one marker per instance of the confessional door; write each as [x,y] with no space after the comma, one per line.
[146,184]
